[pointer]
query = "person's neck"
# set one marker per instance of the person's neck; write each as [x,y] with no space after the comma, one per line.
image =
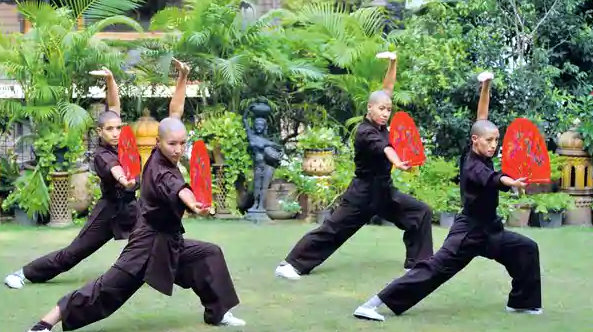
[368,117]
[104,143]
[477,153]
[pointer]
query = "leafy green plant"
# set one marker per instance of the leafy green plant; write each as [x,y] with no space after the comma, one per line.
[9,172]
[290,206]
[557,163]
[30,194]
[222,130]
[509,202]
[322,191]
[432,183]
[318,138]
[51,63]
[552,202]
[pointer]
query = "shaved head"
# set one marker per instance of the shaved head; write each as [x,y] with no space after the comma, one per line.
[379,107]
[172,139]
[483,127]
[379,97]
[168,125]
[106,116]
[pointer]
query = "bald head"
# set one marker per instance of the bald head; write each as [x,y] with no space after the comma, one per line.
[483,127]
[379,97]
[105,117]
[169,125]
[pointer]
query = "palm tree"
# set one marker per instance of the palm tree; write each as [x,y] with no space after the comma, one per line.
[51,63]
[237,56]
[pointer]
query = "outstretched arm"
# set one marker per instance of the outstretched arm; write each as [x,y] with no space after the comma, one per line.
[483,104]
[178,100]
[391,75]
[188,198]
[112,89]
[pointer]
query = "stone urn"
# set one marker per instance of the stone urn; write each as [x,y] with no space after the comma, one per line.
[146,130]
[81,194]
[319,162]
[280,191]
[577,179]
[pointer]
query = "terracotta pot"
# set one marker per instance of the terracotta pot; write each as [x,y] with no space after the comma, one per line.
[319,162]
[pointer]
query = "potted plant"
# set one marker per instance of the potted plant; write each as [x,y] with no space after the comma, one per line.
[452,205]
[557,164]
[225,137]
[515,210]
[281,199]
[30,198]
[291,207]
[432,183]
[549,209]
[9,172]
[318,145]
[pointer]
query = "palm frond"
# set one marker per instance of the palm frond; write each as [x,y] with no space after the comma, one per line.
[306,70]
[113,20]
[232,70]
[37,11]
[198,38]
[168,19]
[39,113]
[100,9]
[75,117]
[403,97]
[371,19]
[44,94]
[327,16]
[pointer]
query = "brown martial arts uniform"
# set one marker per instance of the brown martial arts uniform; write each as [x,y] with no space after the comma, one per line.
[156,254]
[113,216]
[477,231]
[370,193]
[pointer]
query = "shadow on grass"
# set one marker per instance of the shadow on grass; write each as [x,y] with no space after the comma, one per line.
[163,322]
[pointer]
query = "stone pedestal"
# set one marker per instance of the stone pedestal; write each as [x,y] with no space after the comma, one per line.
[257,216]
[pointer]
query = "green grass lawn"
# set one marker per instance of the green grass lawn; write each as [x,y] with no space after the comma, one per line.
[323,301]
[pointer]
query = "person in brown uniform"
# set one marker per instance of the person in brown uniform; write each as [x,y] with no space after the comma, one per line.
[370,193]
[113,216]
[477,231]
[157,253]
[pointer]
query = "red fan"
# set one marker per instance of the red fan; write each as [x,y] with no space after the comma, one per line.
[524,153]
[127,153]
[199,172]
[405,139]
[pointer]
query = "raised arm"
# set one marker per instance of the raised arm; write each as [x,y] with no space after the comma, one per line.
[391,75]
[246,123]
[112,89]
[483,104]
[178,100]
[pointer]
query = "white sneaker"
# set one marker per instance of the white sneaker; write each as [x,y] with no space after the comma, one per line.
[534,311]
[229,320]
[44,330]
[368,313]
[287,271]
[14,281]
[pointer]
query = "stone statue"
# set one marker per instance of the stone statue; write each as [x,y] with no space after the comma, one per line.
[266,157]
